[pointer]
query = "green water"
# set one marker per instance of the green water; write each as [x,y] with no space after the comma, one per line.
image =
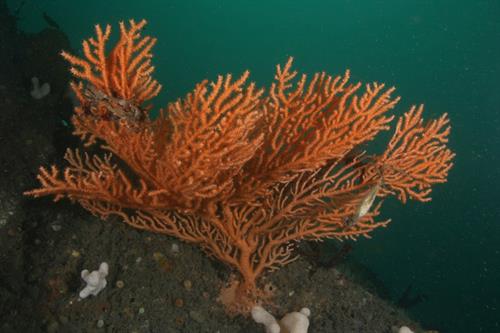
[445,54]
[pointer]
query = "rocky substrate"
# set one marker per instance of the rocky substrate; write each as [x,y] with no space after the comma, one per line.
[157,284]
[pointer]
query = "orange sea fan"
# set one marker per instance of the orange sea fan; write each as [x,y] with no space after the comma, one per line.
[243,172]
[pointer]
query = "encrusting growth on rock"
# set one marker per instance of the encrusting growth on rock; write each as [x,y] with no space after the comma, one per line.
[243,172]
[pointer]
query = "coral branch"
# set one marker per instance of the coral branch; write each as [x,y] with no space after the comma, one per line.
[416,157]
[126,72]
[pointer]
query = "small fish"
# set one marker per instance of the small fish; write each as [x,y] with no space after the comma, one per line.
[364,206]
[50,21]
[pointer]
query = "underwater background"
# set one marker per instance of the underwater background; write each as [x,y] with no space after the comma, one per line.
[445,54]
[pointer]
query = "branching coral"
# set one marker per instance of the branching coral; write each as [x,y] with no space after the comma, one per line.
[243,172]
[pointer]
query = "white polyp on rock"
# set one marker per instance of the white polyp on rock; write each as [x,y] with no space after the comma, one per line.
[39,91]
[405,329]
[96,280]
[293,322]
[261,316]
